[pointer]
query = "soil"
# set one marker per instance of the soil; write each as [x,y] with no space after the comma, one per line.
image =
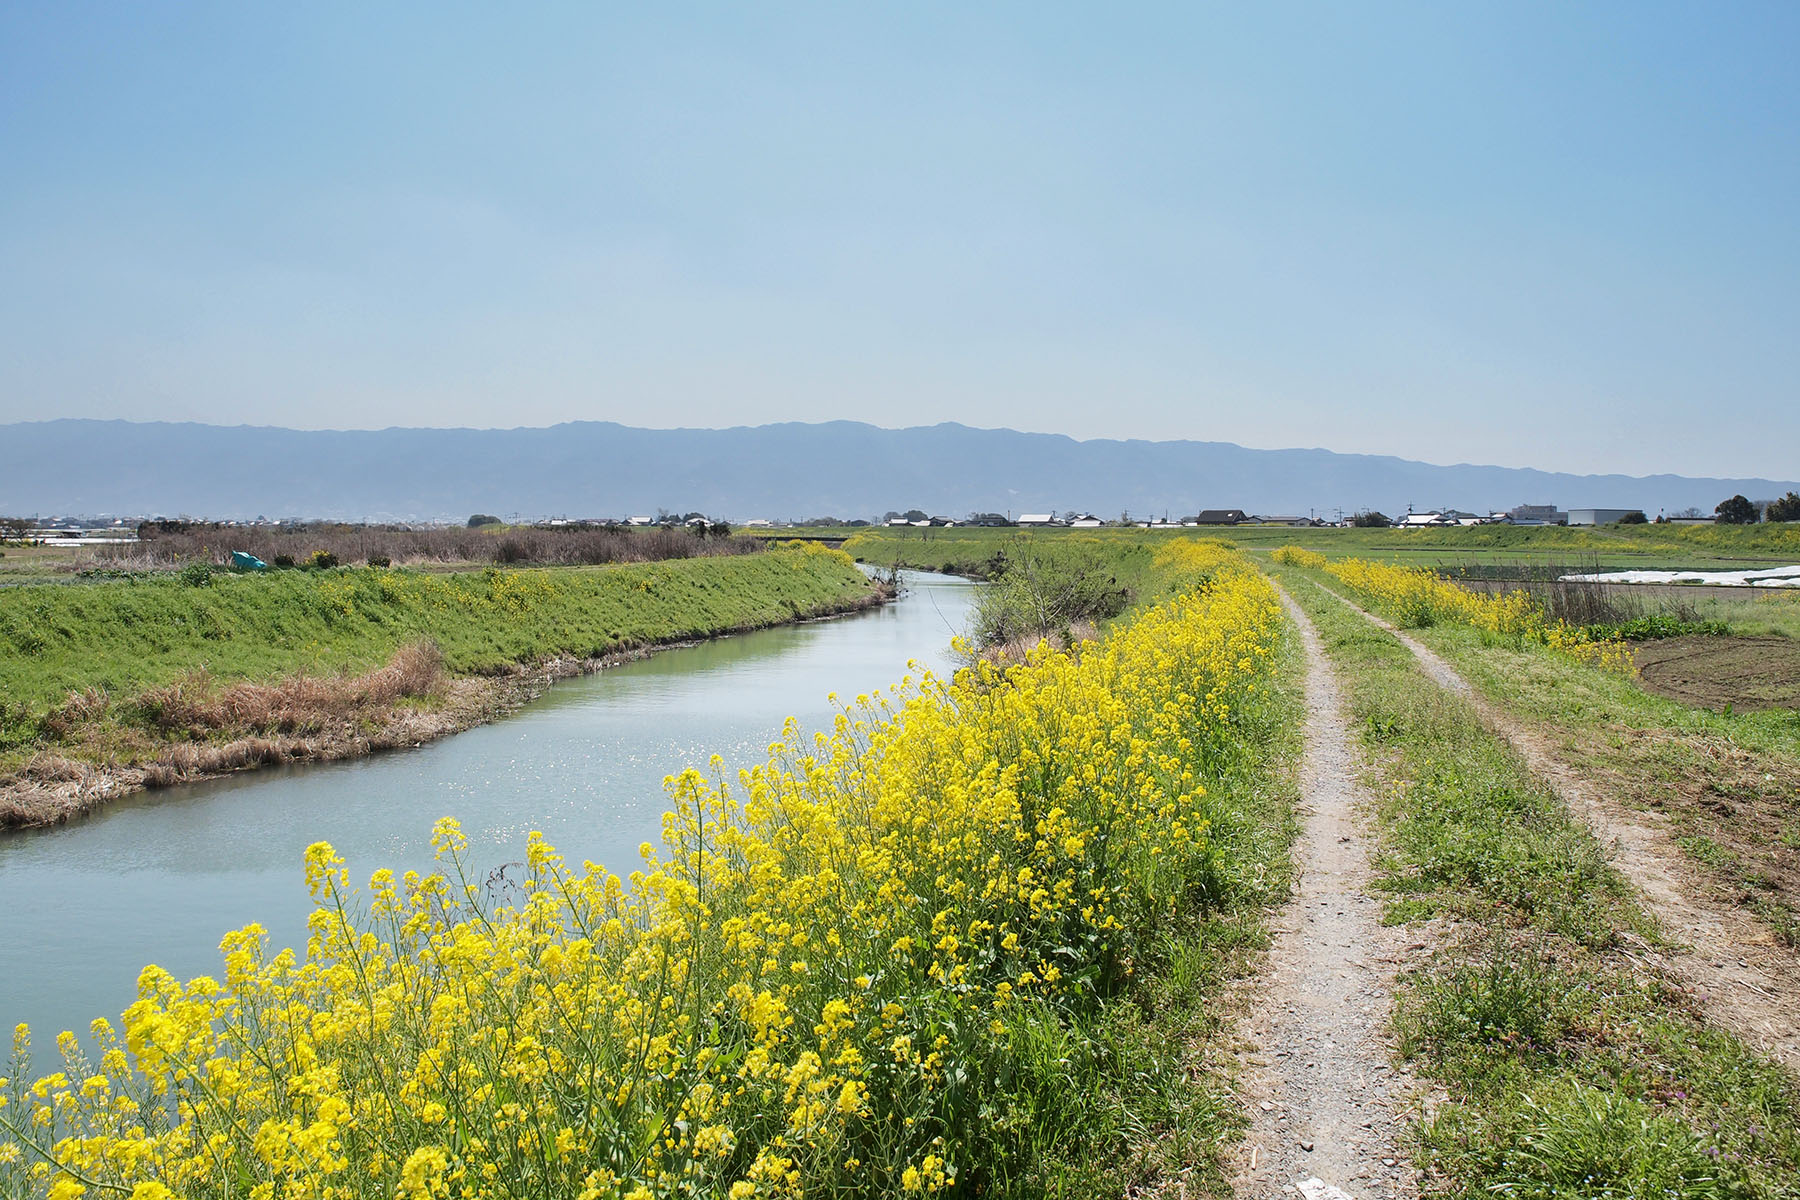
[1327,1107]
[1735,811]
[1738,972]
[1714,672]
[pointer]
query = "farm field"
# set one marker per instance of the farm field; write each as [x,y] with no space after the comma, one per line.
[1481,549]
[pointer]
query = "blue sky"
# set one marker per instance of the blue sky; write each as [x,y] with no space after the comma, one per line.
[1550,235]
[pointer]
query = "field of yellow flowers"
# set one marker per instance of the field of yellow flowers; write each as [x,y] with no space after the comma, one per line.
[821,984]
[1415,598]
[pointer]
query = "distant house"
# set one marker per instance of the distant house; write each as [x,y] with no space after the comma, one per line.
[1222,516]
[989,520]
[940,522]
[1038,519]
[1085,521]
[1537,514]
[640,520]
[1598,516]
[1424,520]
[898,521]
[1690,520]
[1279,521]
[759,523]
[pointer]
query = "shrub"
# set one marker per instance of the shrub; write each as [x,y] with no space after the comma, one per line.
[1785,509]
[1634,517]
[1038,594]
[284,561]
[479,519]
[197,574]
[1371,519]
[1736,511]
[322,560]
[379,560]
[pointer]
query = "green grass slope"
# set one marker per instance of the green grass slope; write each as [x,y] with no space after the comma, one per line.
[126,635]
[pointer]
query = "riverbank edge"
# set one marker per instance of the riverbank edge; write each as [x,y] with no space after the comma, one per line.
[52,789]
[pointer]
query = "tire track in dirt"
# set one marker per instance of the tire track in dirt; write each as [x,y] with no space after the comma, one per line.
[1743,979]
[1327,1109]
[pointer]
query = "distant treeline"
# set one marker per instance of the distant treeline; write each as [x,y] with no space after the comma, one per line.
[176,543]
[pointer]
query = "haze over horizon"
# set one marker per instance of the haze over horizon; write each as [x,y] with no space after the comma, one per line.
[1517,235]
[1300,447]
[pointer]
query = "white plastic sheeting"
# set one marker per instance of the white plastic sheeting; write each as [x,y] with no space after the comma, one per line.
[1762,577]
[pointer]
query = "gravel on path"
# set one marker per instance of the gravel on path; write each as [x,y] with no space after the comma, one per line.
[1327,1108]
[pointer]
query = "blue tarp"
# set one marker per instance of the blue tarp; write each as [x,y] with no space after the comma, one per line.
[242,560]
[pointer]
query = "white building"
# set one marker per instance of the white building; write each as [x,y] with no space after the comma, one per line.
[1598,516]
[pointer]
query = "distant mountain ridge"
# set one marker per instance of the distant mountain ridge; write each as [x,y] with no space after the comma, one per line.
[793,470]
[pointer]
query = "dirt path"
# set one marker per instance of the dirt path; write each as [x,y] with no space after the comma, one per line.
[1327,1110]
[1742,978]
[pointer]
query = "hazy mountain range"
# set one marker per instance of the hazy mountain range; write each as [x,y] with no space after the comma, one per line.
[839,468]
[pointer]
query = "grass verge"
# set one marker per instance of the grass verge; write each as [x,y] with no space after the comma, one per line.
[1572,1067]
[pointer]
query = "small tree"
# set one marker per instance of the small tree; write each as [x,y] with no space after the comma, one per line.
[1736,511]
[1370,519]
[479,519]
[1634,517]
[1785,509]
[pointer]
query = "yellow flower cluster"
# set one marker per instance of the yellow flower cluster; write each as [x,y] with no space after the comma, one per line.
[1416,598]
[816,987]
[1296,556]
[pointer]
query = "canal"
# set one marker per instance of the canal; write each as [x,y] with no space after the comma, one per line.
[161,876]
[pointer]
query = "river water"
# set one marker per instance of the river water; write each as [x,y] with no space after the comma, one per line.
[161,876]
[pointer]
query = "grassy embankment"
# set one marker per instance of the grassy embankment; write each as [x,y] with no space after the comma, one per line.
[969,943]
[182,670]
[1572,1068]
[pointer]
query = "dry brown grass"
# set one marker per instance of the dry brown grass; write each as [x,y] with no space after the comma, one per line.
[82,707]
[51,788]
[196,707]
[189,760]
[180,544]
